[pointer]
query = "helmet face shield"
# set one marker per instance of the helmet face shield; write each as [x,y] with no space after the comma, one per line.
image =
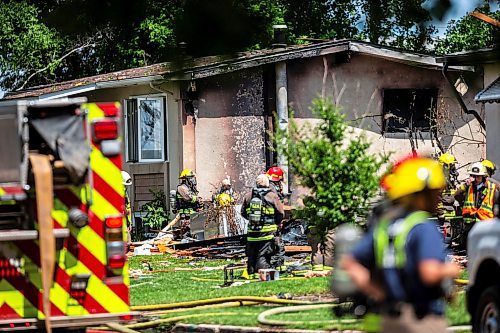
[192,181]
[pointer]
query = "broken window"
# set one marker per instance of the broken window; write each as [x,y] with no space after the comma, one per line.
[409,110]
[145,129]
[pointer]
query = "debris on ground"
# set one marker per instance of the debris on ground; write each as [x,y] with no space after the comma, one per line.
[460,260]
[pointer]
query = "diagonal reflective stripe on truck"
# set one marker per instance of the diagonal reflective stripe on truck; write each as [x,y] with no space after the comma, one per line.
[88,304]
[107,169]
[84,251]
[58,295]
[14,305]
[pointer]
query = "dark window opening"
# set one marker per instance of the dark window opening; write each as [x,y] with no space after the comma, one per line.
[409,110]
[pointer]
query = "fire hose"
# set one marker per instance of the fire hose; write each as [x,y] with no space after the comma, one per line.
[219,300]
[42,170]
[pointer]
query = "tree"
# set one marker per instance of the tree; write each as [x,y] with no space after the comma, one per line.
[339,172]
[398,23]
[26,44]
[469,33]
[226,26]
[321,18]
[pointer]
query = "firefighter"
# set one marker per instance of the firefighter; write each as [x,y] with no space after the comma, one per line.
[447,209]
[225,195]
[446,206]
[400,263]
[188,201]
[223,201]
[491,168]
[264,212]
[479,197]
[275,175]
[127,181]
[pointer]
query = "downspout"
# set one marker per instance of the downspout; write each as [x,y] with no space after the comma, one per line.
[282,111]
[459,98]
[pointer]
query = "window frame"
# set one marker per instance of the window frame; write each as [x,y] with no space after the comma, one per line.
[433,92]
[165,154]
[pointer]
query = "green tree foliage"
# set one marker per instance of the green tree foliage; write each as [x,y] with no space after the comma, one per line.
[26,44]
[339,171]
[469,33]
[225,26]
[322,18]
[403,24]
[67,39]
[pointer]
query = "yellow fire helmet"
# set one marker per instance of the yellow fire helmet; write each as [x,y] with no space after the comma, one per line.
[187,173]
[490,166]
[447,159]
[224,199]
[414,175]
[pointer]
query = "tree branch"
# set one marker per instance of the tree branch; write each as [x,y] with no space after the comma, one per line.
[79,48]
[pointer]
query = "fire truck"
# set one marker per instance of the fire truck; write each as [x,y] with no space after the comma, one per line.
[62,226]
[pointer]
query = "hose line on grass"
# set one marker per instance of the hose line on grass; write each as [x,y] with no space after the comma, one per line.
[155,323]
[461,282]
[212,306]
[262,317]
[191,304]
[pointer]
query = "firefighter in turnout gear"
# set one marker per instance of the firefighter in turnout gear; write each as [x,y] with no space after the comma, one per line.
[225,195]
[449,217]
[491,168]
[275,175]
[446,206]
[264,212]
[127,181]
[400,263]
[188,201]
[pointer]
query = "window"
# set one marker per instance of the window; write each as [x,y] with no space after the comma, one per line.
[146,129]
[409,110]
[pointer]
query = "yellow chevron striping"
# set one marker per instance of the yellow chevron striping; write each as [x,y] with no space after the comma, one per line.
[101,207]
[98,289]
[94,111]
[13,298]
[105,296]
[85,236]
[103,166]
[58,296]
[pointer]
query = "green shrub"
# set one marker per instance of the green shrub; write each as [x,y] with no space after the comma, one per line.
[340,172]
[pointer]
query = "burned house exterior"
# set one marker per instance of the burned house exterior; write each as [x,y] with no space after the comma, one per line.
[214,114]
[487,62]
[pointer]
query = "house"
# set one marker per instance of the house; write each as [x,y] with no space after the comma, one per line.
[214,114]
[486,61]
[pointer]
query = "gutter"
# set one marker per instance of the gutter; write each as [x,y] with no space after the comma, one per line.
[459,97]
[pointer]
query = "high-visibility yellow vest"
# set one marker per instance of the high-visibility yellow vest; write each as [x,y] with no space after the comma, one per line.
[384,258]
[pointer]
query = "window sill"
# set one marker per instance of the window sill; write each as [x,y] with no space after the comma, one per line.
[420,135]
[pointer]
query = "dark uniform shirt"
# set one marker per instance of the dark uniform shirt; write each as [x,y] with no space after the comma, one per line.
[424,242]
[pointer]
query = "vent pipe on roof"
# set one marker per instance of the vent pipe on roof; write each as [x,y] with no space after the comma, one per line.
[282,114]
[279,36]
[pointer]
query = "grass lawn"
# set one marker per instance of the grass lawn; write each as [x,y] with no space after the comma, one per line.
[169,286]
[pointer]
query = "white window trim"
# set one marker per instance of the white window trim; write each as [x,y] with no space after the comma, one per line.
[164,120]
